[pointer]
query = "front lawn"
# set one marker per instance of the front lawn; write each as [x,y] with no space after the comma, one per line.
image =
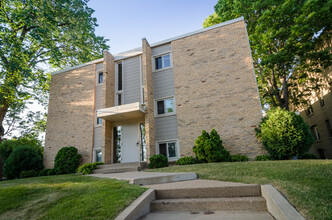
[307,184]
[65,197]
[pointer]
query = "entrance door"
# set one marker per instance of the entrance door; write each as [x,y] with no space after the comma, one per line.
[130,143]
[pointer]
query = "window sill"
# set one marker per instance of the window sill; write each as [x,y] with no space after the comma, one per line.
[99,84]
[163,69]
[172,159]
[165,115]
[97,126]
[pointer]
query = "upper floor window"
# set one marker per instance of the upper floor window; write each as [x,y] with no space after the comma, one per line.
[321,102]
[100,77]
[165,106]
[314,131]
[119,76]
[169,149]
[163,61]
[328,127]
[99,121]
[309,111]
[119,85]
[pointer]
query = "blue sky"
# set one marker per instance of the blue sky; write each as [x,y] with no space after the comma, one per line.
[126,22]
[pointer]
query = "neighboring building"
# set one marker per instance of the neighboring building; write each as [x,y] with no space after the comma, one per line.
[158,99]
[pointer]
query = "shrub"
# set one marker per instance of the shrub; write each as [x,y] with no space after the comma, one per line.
[239,158]
[43,172]
[284,134]
[67,160]
[209,148]
[29,173]
[51,172]
[22,159]
[158,161]
[186,160]
[262,158]
[308,156]
[88,167]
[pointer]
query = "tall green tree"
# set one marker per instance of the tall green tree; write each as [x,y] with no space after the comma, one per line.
[284,38]
[32,32]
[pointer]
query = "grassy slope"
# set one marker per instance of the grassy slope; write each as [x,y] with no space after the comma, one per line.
[65,197]
[307,184]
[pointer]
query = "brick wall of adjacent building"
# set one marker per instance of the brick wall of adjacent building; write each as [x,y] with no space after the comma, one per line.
[148,98]
[70,113]
[215,87]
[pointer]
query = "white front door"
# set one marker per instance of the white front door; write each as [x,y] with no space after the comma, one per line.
[130,143]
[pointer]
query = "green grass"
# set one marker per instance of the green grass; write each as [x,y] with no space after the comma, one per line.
[65,197]
[307,184]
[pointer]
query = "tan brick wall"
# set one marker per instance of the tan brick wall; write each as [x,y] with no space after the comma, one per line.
[215,87]
[108,101]
[148,99]
[70,113]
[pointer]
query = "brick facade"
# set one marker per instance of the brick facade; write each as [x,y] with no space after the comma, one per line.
[215,87]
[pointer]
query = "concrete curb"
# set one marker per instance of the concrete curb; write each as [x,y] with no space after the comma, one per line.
[278,206]
[140,207]
[164,179]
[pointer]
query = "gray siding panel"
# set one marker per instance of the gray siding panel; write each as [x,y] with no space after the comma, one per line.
[131,78]
[166,128]
[98,138]
[99,66]
[163,83]
[161,49]
[99,97]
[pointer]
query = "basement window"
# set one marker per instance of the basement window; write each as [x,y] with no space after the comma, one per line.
[162,62]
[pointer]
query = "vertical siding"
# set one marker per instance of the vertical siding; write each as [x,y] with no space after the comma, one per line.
[166,128]
[163,83]
[131,80]
[98,138]
[161,49]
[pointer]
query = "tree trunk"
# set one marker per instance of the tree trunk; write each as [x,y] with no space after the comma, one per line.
[3,111]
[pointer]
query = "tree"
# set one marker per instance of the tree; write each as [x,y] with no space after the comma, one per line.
[284,134]
[59,33]
[283,37]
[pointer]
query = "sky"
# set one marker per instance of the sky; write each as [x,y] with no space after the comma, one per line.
[126,22]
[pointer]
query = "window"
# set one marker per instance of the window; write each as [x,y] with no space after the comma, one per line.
[99,121]
[100,78]
[119,85]
[168,149]
[165,106]
[314,131]
[119,76]
[309,111]
[162,62]
[321,102]
[328,127]
[99,156]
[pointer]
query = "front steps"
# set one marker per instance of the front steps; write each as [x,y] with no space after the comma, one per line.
[119,167]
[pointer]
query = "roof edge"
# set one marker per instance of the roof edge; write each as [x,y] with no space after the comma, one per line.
[78,66]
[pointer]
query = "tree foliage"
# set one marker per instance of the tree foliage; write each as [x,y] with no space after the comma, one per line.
[59,33]
[284,38]
[284,134]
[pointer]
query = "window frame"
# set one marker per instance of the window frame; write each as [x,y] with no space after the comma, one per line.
[98,77]
[95,154]
[166,113]
[177,148]
[321,102]
[119,92]
[162,63]
[315,132]
[99,124]
[309,111]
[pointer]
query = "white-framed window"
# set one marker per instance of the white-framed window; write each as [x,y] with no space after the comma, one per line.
[169,148]
[99,121]
[309,111]
[119,84]
[315,133]
[162,61]
[98,155]
[100,78]
[165,106]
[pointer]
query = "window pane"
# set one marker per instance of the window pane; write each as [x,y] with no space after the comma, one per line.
[162,149]
[158,63]
[167,60]
[100,78]
[99,121]
[119,76]
[328,127]
[169,103]
[119,99]
[99,155]
[161,108]
[171,150]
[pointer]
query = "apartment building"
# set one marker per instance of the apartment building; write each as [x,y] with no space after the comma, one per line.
[157,99]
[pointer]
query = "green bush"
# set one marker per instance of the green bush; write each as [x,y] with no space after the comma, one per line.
[29,173]
[308,156]
[43,172]
[67,160]
[7,146]
[209,148]
[284,134]
[186,160]
[51,172]
[22,159]
[263,157]
[88,167]
[158,161]
[239,158]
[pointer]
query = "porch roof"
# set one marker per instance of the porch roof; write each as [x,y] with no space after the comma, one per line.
[122,112]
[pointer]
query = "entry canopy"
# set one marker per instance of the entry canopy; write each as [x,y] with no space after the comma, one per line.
[122,112]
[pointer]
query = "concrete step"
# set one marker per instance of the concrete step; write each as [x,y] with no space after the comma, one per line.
[115,170]
[210,204]
[132,164]
[248,190]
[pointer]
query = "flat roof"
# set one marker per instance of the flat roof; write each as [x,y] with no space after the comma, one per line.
[137,51]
